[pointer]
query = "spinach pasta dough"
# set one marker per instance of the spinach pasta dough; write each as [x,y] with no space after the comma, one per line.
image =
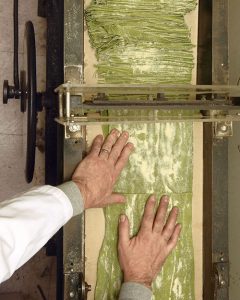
[147,41]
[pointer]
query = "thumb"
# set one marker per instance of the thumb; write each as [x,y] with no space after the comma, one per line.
[115,198]
[123,230]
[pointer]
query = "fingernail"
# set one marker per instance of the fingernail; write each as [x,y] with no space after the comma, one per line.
[125,134]
[100,137]
[165,198]
[131,146]
[153,198]
[114,131]
[122,218]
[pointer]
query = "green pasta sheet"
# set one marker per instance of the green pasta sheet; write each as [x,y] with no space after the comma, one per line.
[175,279]
[162,159]
[161,164]
[147,41]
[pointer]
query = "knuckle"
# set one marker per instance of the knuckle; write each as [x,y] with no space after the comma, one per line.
[107,146]
[115,154]
[148,218]
[125,154]
[97,146]
[144,236]
[168,231]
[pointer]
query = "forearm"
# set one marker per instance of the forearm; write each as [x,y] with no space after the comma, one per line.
[27,222]
[134,291]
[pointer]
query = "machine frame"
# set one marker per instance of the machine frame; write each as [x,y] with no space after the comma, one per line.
[65,61]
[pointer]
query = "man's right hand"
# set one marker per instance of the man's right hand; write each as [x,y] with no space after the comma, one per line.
[142,257]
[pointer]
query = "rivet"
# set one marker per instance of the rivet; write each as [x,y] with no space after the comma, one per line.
[71,294]
[223,128]
[222,283]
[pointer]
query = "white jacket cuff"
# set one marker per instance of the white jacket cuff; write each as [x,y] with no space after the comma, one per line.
[74,195]
[134,291]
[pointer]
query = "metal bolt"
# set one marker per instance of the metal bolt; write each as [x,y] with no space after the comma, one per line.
[72,270]
[74,127]
[223,128]
[71,294]
[222,259]
[222,283]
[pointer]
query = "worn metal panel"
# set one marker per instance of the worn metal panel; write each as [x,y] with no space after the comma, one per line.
[215,221]
[73,231]
[73,40]
[220,58]
[220,75]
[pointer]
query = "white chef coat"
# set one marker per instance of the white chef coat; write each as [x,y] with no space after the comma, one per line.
[28,221]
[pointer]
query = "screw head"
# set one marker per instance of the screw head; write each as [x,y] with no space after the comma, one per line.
[223,283]
[223,128]
[71,294]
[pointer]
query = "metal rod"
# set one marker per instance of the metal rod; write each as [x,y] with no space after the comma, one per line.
[15,57]
[163,105]
[60,100]
[68,104]
[148,89]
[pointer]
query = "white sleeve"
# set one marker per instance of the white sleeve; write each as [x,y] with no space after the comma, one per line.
[27,222]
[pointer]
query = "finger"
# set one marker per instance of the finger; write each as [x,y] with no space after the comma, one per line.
[118,147]
[115,198]
[123,230]
[96,145]
[170,224]
[161,214]
[123,158]
[174,238]
[148,216]
[108,143]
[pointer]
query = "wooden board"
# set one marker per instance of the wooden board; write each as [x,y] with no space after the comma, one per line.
[95,226]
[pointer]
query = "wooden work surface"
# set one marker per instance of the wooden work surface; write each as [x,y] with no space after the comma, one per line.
[95,222]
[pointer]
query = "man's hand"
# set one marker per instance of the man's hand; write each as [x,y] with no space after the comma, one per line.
[98,172]
[142,257]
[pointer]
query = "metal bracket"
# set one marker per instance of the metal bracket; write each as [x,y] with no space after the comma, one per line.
[221,271]
[74,130]
[221,275]
[223,129]
[75,286]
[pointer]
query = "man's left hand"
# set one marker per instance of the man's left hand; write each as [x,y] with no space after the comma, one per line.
[97,173]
